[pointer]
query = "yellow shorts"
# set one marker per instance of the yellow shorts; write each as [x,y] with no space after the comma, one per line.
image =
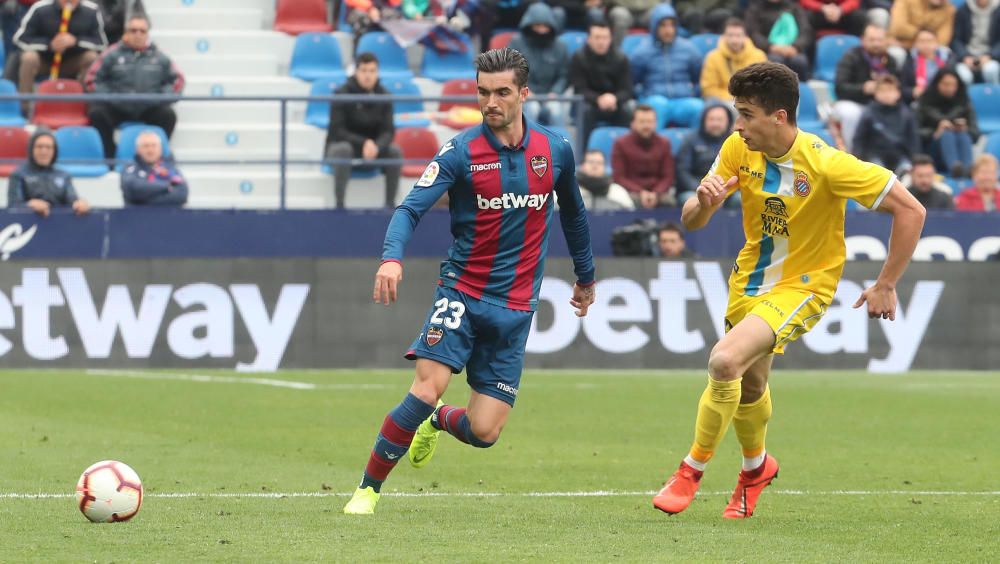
[790,313]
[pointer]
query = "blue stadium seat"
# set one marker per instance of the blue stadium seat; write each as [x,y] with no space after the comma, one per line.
[391,56]
[81,143]
[676,136]
[442,67]
[993,144]
[705,42]
[316,55]
[318,111]
[406,87]
[126,142]
[986,101]
[10,110]
[632,42]
[603,138]
[573,39]
[808,115]
[829,50]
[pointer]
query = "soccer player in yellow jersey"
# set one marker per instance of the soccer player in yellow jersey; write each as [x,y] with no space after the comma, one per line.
[794,188]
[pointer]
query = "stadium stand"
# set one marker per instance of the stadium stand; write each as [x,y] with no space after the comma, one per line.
[391,57]
[10,110]
[407,113]
[442,67]
[53,114]
[574,39]
[81,143]
[705,42]
[603,138]
[318,111]
[986,101]
[501,39]
[317,55]
[13,145]
[301,16]
[829,50]
[808,114]
[676,136]
[416,143]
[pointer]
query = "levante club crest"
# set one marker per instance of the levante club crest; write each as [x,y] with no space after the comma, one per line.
[434,335]
[539,164]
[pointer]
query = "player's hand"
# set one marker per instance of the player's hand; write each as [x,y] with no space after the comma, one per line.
[881,301]
[583,296]
[712,190]
[387,281]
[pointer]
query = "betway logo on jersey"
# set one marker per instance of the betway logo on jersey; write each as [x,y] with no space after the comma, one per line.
[512,201]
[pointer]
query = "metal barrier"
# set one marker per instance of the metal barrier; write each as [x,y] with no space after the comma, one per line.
[575,101]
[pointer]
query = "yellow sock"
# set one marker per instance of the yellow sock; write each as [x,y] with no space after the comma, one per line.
[750,422]
[716,408]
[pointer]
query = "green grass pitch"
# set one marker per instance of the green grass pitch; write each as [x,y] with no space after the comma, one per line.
[257,468]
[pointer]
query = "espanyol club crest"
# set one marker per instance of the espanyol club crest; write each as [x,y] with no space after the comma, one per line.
[539,164]
[802,187]
[434,336]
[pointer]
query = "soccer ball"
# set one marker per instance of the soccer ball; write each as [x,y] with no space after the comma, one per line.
[109,491]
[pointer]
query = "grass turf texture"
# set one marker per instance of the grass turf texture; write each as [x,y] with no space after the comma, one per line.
[571,432]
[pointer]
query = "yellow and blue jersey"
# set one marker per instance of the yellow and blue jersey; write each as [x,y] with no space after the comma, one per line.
[793,213]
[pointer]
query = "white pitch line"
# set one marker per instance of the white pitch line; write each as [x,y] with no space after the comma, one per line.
[214,379]
[598,493]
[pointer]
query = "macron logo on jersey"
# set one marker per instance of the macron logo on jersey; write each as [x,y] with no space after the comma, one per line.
[484,167]
[509,201]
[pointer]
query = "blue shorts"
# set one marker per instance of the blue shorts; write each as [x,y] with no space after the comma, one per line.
[486,339]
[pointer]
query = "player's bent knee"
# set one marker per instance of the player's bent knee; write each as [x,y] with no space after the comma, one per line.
[723,365]
[483,442]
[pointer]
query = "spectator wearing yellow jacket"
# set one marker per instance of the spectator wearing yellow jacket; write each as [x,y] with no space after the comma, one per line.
[734,52]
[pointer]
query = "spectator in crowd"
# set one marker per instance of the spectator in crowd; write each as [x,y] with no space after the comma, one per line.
[700,148]
[576,14]
[925,186]
[548,58]
[362,130]
[114,12]
[367,15]
[642,162]
[671,243]
[152,180]
[597,188]
[976,41]
[38,185]
[133,66]
[835,16]
[499,14]
[910,16]
[947,122]
[734,52]
[781,29]
[887,132]
[855,79]
[626,14]
[668,67]
[924,60]
[600,73]
[704,16]
[46,50]
[984,194]
[11,14]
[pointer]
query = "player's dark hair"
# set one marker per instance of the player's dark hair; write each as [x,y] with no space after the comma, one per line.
[735,22]
[671,226]
[504,59]
[772,86]
[921,159]
[365,58]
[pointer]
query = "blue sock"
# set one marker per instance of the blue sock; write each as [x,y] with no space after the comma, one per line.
[394,439]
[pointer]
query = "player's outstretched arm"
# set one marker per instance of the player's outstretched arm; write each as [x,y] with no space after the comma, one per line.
[583,296]
[907,223]
[710,194]
[387,280]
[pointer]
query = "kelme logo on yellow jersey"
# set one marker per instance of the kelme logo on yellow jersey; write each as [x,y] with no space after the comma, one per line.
[801,184]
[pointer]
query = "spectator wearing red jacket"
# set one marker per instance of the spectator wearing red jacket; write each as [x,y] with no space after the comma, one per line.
[984,194]
[835,16]
[643,163]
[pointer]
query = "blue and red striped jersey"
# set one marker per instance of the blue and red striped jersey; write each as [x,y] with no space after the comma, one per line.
[501,203]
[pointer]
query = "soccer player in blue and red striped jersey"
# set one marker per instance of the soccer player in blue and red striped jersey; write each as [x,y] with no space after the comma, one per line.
[500,177]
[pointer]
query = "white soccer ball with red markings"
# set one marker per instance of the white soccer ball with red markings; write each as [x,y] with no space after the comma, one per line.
[109,491]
